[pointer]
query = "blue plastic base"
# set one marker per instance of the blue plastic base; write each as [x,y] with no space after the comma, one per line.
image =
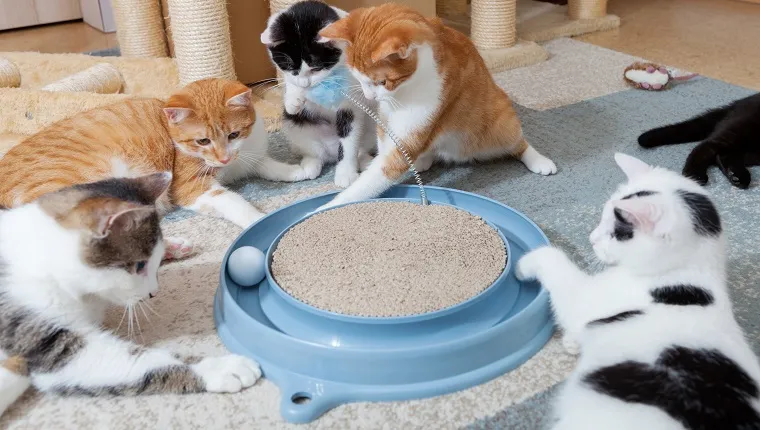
[320,362]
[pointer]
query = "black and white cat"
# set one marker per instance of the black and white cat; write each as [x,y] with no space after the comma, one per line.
[660,348]
[63,259]
[320,130]
[730,139]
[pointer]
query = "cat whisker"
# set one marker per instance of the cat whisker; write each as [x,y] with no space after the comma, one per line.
[150,308]
[124,314]
[142,309]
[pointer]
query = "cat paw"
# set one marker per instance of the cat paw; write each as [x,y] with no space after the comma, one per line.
[532,264]
[571,346]
[698,177]
[227,374]
[310,169]
[295,103]
[345,175]
[177,247]
[537,163]
[740,179]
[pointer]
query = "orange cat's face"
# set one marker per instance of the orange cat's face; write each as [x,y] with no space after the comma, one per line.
[380,45]
[209,119]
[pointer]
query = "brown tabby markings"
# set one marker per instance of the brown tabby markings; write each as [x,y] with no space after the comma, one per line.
[16,365]
[132,138]
[473,107]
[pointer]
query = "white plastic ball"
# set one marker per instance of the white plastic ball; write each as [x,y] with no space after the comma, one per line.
[247,266]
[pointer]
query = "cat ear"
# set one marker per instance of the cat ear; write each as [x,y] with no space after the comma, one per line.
[341,13]
[266,36]
[176,115]
[391,46]
[339,32]
[154,184]
[641,213]
[125,219]
[243,99]
[631,166]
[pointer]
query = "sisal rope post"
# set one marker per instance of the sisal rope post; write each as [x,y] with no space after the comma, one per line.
[586,9]
[9,74]
[103,78]
[140,28]
[201,37]
[494,23]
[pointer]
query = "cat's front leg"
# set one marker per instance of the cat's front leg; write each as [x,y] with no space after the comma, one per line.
[221,202]
[102,364]
[273,170]
[294,99]
[349,131]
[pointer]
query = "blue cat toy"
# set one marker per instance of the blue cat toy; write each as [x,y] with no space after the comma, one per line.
[327,93]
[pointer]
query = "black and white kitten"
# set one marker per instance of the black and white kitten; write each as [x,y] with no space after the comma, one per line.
[660,348]
[320,131]
[730,139]
[63,259]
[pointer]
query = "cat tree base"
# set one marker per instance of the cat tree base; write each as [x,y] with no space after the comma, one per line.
[551,26]
[523,53]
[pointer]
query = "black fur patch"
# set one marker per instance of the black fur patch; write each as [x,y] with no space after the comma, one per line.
[702,389]
[704,216]
[622,316]
[639,194]
[305,117]
[344,122]
[623,228]
[682,295]
[297,28]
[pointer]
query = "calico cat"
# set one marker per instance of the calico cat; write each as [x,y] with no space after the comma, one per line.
[207,134]
[730,139]
[65,257]
[323,129]
[660,348]
[433,90]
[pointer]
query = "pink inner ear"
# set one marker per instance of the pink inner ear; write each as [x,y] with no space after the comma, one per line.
[175,115]
[643,214]
[242,99]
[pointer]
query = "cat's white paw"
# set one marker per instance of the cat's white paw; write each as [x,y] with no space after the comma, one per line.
[532,264]
[177,247]
[537,163]
[294,102]
[571,346]
[310,168]
[345,175]
[227,374]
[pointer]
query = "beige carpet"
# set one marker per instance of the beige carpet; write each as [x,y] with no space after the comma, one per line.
[186,325]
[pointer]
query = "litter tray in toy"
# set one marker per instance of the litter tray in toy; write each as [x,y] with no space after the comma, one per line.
[321,360]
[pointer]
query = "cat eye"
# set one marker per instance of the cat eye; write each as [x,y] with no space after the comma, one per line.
[140,266]
[381,83]
[203,142]
[233,135]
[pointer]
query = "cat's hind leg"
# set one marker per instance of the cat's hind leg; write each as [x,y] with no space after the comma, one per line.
[699,160]
[733,167]
[349,131]
[509,135]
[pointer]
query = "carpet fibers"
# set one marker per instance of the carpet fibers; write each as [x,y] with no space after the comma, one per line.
[581,137]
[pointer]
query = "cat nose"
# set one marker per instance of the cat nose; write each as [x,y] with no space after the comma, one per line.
[225,160]
[151,295]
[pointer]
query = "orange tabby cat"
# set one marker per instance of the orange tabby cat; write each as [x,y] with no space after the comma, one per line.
[206,134]
[434,91]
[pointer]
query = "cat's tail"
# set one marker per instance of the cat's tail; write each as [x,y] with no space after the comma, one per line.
[13,381]
[691,130]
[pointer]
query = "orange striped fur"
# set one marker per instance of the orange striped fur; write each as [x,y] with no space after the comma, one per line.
[190,136]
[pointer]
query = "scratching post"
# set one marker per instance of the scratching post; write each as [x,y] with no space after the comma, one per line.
[9,74]
[140,28]
[102,78]
[494,23]
[494,32]
[586,9]
[201,36]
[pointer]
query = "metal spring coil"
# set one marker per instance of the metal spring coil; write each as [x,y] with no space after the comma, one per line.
[396,141]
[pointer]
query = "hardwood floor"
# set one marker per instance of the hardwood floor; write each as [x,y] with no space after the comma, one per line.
[75,36]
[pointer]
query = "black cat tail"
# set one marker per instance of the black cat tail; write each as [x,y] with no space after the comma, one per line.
[691,130]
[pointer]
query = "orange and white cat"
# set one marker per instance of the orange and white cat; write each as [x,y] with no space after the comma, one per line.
[434,92]
[207,134]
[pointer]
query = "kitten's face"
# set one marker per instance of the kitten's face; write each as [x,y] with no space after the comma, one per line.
[209,119]
[381,46]
[115,226]
[656,220]
[292,39]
